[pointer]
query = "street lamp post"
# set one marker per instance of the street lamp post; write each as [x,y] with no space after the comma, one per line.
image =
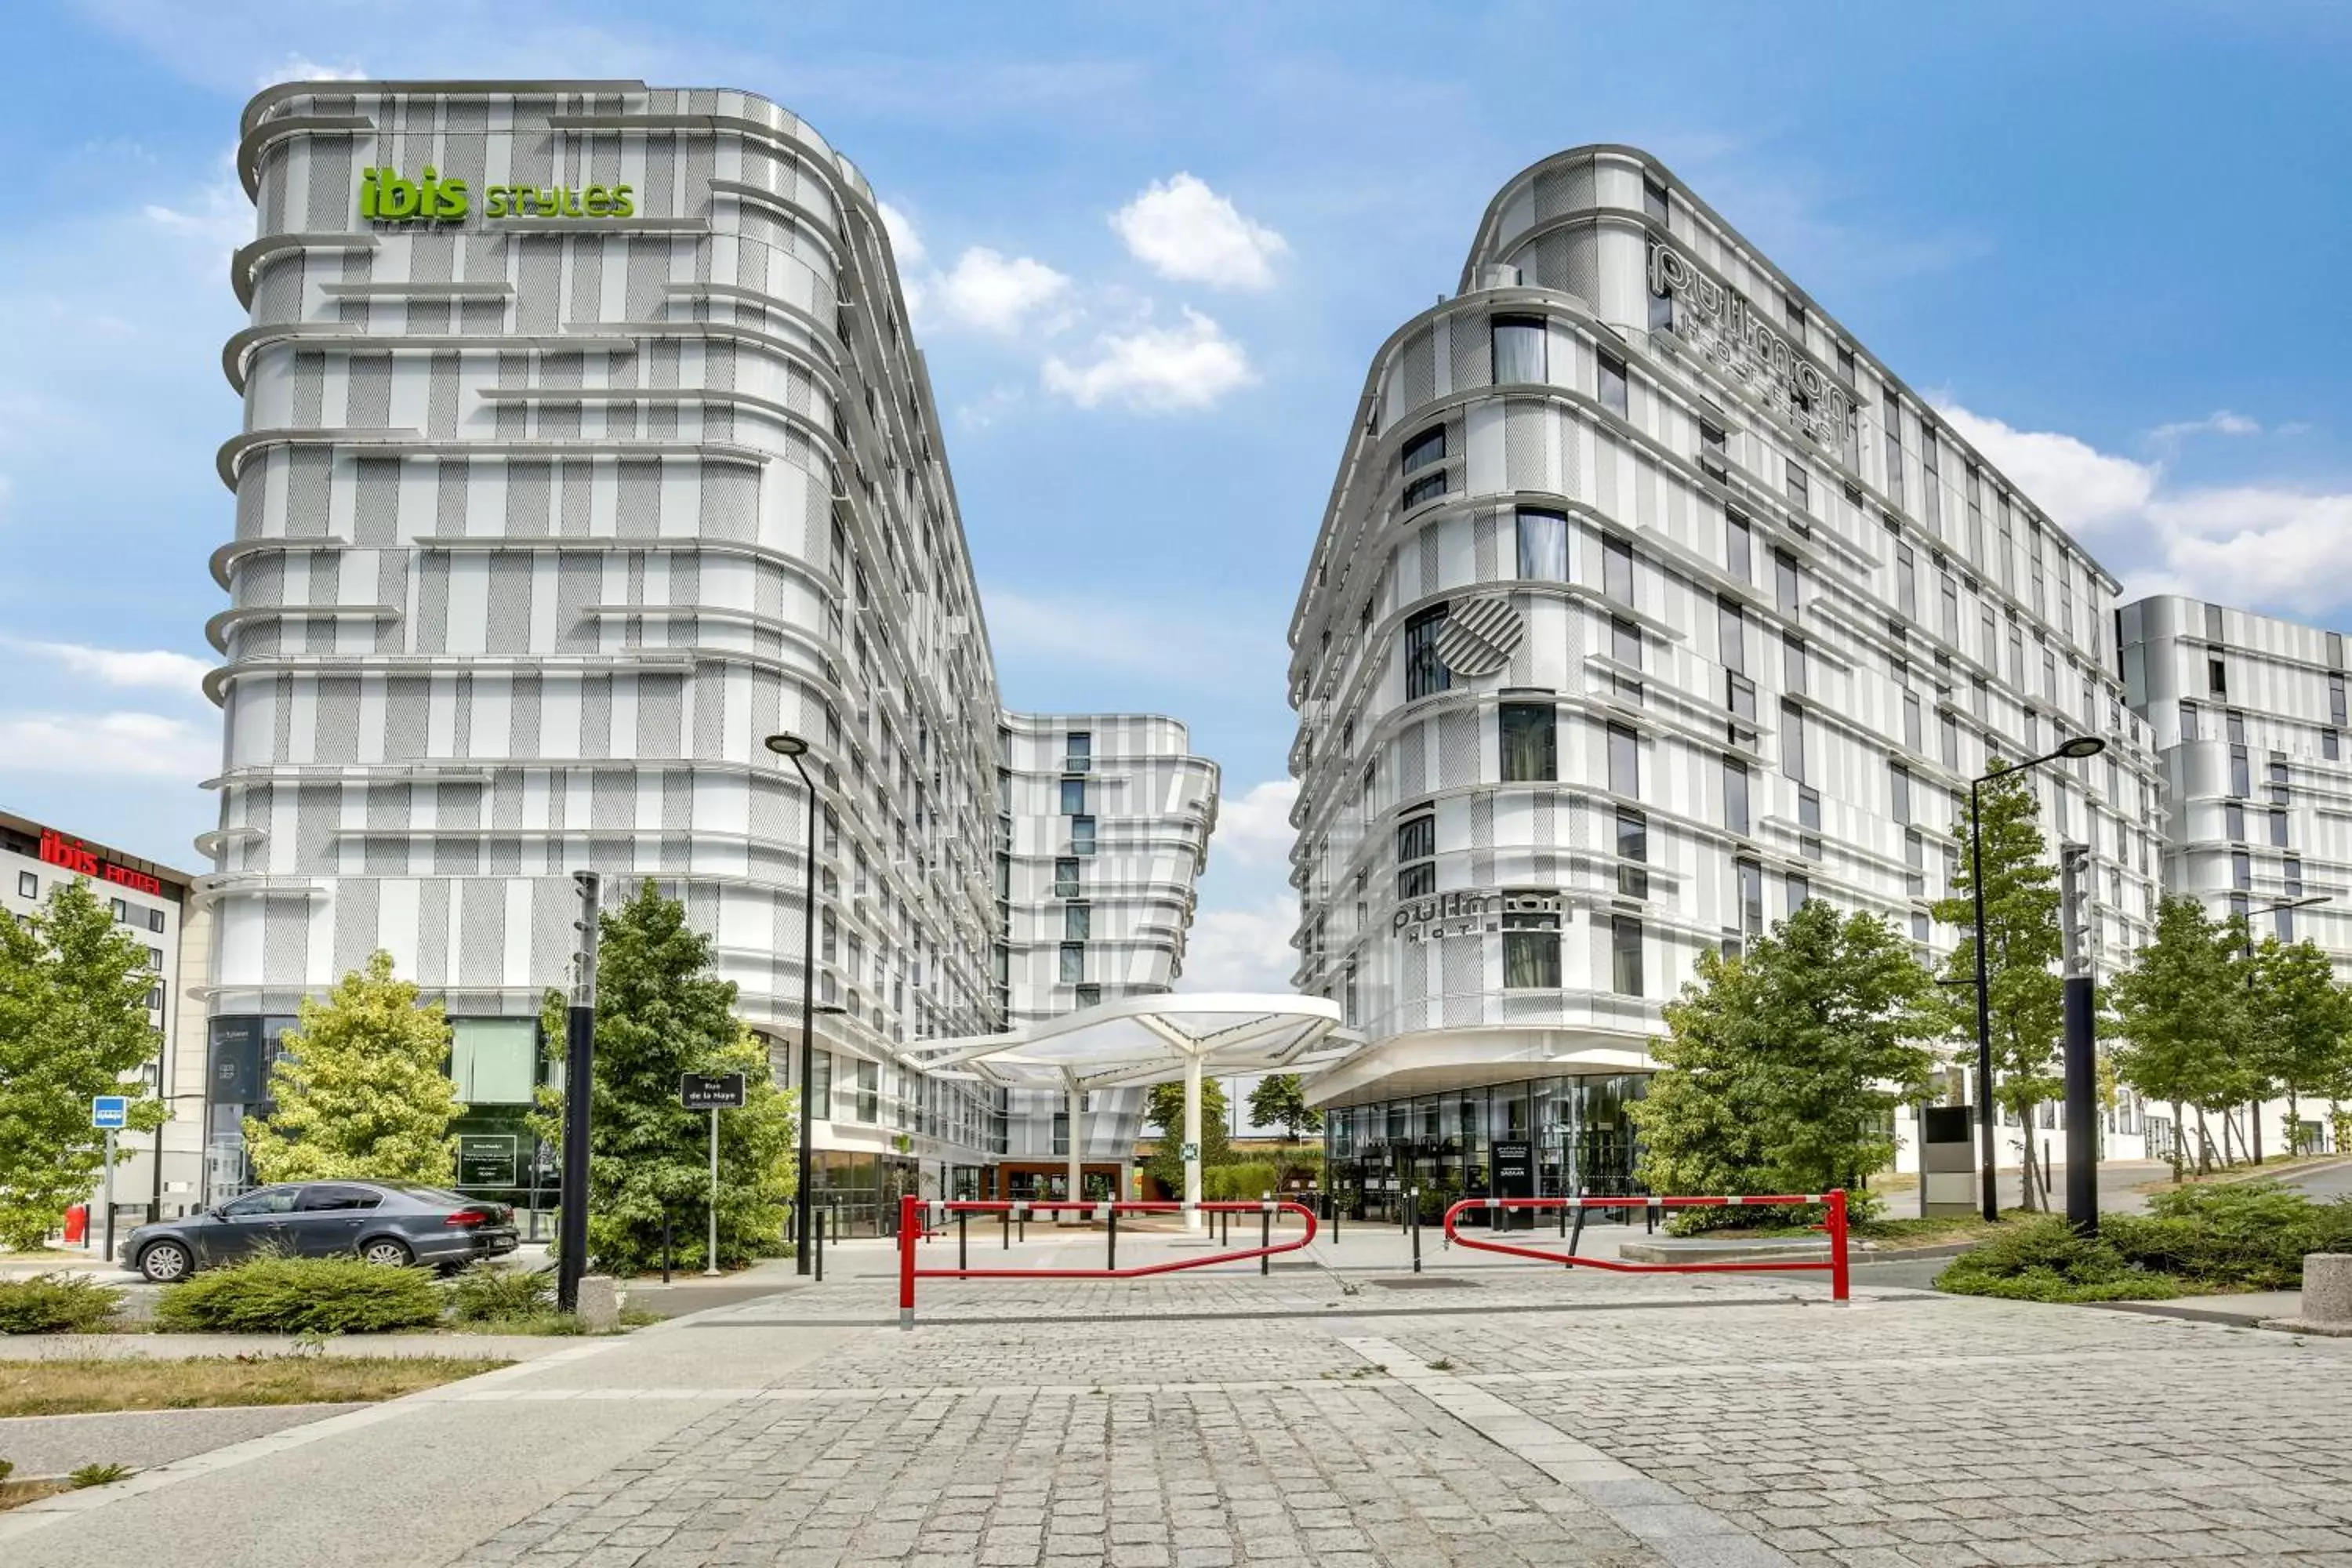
[2074,750]
[2255,1110]
[792,748]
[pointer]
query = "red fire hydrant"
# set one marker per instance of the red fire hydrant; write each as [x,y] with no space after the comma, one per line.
[77,1225]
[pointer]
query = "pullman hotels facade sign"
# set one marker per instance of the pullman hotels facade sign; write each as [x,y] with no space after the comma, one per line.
[1724,327]
[1468,912]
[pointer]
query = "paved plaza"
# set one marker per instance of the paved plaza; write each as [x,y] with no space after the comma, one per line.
[1336,1410]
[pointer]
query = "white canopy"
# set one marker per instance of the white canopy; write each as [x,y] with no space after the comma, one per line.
[1150,1040]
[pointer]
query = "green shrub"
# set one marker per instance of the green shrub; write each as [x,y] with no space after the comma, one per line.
[272,1295]
[56,1304]
[2043,1260]
[2247,1236]
[486,1293]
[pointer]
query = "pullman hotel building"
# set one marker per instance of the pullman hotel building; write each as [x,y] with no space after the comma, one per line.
[586,444]
[1649,604]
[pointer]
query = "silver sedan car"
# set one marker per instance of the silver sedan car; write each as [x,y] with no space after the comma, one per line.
[398,1223]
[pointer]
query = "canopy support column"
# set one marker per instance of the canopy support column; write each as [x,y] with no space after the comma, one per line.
[1191,1150]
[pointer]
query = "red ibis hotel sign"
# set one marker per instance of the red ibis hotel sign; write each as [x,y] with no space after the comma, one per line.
[78,857]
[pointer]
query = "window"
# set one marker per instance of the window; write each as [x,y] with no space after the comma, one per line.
[1731,633]
[1424,672]
[1518,349]
[1624,761]
[1425,450]
[2217,681]
[1914,863]
[1066,877]
[2290,871]
[1073,963]
[2189,721]
[1899,781]
[1914,736]
[1792,741]
[1951,623]
[1082,836]
[121,911]
[155,992]
[155,958]
[1625,955]
[1792,663]
[326,1198]
[1951,729]
[1617,569]
[2278,828]
[1613,385]
[1801,489]
[1796,311]
[1892,416]
[1529,734]
[1073,797]
[1625,647]
[29,885]
[2335,713]
[492,1059]
[2233,821]
[1784,583]
[270,1200]
[1530,942]
[1735,795]
[1798,891]
[2331,745]
[1713,453]
[1751,895]
[1907,581]
[1736,547]
[1633,853]
[1077,921]
[1543,547]
[1416,841]
[2241,782]
[2241,870]
[1654,199]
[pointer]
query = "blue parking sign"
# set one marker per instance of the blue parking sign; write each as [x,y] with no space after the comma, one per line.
[110,1111]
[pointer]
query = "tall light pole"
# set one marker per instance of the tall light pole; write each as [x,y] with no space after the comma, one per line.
[2074,750]
[579,1095]
[2255,1110]
[792,748]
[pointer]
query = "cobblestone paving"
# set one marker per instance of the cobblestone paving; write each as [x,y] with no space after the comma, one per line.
[1744,1425]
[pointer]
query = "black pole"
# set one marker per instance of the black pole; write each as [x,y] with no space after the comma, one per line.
[1111,1261]
[1414,1195]
[1265,1235]
[2082,1047]
[808,1023]
[963,1241]
[1988,1181]
[579,1085]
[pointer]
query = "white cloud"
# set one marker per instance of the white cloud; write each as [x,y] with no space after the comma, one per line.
[993,292]
[120,667]
[1254,828]
[301,67]
[1156,369]
[220,215]
[1220,650]
[2221,422]
[1246,948]
[906,243]
[1183,229]
[2084,489]
[113,745]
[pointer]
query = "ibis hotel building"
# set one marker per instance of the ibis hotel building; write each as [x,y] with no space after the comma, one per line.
[1649,604]
[586,444]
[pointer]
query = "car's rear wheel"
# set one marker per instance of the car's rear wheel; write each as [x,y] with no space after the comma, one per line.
[388,1252]
[165,1261]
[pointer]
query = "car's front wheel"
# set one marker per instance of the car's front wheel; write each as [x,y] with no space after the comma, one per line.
[388,1252]
[165,1261]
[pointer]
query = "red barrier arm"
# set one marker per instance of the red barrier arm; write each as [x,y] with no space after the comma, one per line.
[1836,1267]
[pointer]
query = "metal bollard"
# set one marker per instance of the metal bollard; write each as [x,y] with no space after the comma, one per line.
[1576,1239]
[1005,1223]
[1416,1228]
[1266,1233]
[821,1227]
[1112,1262]
[964,1238]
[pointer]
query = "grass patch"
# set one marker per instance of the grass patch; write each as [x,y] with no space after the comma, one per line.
[2217,1236]
[1930,1230]
[16,1494]
[487,1293]
[81,1386]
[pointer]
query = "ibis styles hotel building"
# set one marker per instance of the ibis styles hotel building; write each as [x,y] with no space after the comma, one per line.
[1649,604]
[586,444]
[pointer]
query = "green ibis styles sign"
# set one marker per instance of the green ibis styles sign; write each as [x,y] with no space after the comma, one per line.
[388,196]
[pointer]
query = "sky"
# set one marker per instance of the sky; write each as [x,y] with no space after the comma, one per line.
[1150,250]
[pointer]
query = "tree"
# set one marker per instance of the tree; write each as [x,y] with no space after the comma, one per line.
[1280,1100]
[362,1091]
[2300,1018]
[1781,1069]
[2177,1007]
[73,1022]
[2022,949]
[1165,1110]
[661,1013]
